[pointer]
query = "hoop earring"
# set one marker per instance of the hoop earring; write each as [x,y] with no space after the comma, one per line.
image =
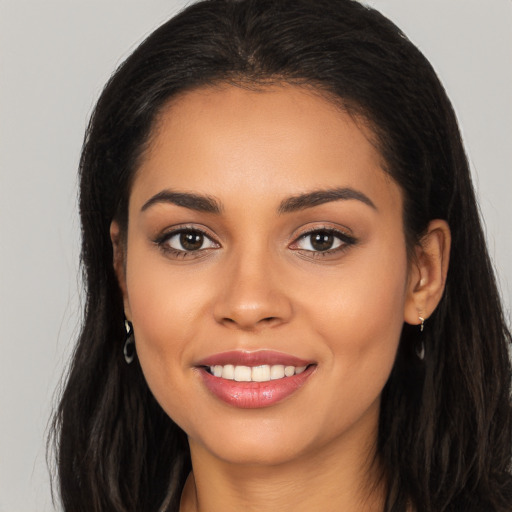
[129,344]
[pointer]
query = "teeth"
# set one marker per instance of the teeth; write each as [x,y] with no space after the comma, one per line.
[277,372]
[263,373]
[243,373]
[228,372]
[289,371]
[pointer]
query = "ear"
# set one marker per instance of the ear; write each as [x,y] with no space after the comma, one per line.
[119,262]
[427,273]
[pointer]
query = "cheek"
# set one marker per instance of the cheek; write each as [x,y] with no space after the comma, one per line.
[359,316]
[367,308]
[162,310]
[163,299]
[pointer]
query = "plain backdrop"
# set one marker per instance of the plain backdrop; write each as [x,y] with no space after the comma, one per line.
[55,57]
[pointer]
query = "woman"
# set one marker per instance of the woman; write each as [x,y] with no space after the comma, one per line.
[276,204]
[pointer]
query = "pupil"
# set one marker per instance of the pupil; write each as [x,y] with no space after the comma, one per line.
[191,241]
[322,241]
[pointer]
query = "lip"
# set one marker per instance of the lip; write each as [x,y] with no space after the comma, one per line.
[253,358]
[254,395]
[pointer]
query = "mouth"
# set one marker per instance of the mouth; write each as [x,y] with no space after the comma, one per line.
[250,380]
[262,373]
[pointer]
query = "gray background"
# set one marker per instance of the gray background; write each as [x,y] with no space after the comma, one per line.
[54,58]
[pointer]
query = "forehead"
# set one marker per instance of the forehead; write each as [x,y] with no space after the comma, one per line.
[270,140]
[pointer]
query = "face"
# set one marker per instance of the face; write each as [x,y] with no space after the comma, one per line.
[265,273]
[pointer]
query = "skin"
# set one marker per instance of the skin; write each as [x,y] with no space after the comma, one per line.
[259,285]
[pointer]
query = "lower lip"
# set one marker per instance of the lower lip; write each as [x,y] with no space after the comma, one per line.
[253,395]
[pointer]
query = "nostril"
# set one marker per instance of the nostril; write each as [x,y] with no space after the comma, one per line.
[234,322]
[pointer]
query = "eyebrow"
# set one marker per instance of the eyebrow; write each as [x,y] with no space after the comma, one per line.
[318,197]
[208,204]
[200,203]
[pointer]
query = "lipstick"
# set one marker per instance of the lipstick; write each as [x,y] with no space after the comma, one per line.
[250,380]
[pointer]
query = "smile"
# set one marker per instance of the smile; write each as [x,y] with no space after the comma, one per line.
[263,373]
[250,380]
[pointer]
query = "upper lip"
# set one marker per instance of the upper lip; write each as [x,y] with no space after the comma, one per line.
[253,358]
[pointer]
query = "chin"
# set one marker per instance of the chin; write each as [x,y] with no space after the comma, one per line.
[265,451]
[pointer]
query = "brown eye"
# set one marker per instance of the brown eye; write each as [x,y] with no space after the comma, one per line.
[191,240]
[187,240]
[322,241]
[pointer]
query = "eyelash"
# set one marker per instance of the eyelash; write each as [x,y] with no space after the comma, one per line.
[163,242]
[345,239]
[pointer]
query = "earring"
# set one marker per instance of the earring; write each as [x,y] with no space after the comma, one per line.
[129,344]
[420,350]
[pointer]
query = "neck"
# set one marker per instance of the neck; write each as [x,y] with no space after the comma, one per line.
[345,475]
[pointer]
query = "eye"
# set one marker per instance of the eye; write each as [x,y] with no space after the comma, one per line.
[185,241]
[323,241]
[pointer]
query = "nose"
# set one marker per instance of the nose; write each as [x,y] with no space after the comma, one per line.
[252,295]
